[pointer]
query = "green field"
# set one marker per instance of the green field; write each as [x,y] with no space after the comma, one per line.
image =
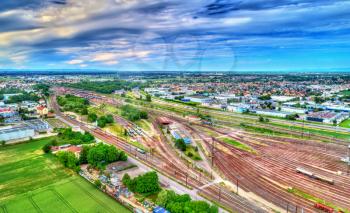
[32,181]
[238,145]
[345,124]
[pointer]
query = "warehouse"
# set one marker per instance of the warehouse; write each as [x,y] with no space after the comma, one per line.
[16,133]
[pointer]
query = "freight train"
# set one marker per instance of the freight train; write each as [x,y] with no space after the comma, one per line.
[325,208]
[315,176]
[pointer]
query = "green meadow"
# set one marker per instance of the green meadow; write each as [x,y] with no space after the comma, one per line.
[32,181]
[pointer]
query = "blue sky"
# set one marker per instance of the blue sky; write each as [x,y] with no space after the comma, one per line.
[176,35]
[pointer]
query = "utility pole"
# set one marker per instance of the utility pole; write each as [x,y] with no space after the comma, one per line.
[237,186]
[287,207]
[219,193]
[348,159]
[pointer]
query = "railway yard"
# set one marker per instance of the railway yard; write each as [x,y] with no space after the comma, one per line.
[242,171]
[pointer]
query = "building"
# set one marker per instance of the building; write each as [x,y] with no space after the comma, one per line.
[7,112]
[16,133]
[179,134]
[29,105]
[41,110]
[38,125]
[8,96]
[163,121]
[240,108]
[159,209]
[294,110]
[327,117]
[67,148]
[197,99]
[272,113]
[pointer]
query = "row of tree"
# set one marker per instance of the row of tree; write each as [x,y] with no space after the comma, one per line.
[106,87]
[68,136]
[73,104]
[145,184]
[100,155]
[101,121]
[176,203]
[132,113]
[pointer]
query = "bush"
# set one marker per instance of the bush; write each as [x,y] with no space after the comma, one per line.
[47,148]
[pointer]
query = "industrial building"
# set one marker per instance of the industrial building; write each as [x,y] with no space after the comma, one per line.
[327,117]
[272,113]
[38,125]
[16,133]
[179,134]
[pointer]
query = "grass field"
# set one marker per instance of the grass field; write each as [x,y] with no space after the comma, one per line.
[238,144]
[32,181]
[345,124]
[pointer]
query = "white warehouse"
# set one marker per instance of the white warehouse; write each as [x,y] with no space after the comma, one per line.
[16,133]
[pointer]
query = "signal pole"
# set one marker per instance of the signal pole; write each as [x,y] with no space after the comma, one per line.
[212,151]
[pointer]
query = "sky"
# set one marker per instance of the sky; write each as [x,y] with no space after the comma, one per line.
[175,35]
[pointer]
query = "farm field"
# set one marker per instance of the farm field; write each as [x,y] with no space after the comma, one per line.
[345,124]
[46,186]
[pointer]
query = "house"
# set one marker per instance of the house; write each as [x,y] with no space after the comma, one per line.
[42,102]
[67,148]
[41,110]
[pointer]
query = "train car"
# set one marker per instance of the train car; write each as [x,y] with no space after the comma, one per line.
[141,151]
[324,179]
[324,208]
[305,172]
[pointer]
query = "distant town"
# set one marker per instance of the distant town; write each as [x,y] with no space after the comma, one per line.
[162,142]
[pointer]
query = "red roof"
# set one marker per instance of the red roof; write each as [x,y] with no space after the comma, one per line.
[164,120]
[40,107]
[5,110]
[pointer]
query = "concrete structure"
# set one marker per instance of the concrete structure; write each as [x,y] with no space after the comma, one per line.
[16,133]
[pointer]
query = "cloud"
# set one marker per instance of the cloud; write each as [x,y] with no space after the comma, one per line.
[116,32]
[76,61]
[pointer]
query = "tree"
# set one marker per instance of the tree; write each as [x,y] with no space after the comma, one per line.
[261,119]
[109,119]
[3,143]
[147,183]
[180,144]
[92,117]
[69,160]
[148,98]
[47,148]
[101,122]
[83,155]
[98,183]
[143,115]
